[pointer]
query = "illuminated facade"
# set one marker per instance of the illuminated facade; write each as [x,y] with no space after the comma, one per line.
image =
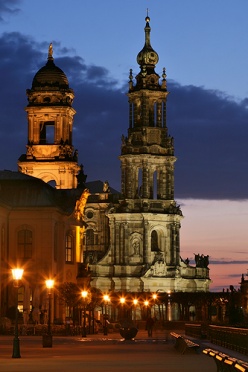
[130,242]
[39,233]
[50,154]
[144,251]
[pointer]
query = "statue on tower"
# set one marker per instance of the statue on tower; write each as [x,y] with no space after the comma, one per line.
[50,51]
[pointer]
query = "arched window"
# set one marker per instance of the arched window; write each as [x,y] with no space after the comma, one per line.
[25,244]
[55,247]
[3,244]
[89,238]
[69,247]
[20,298]
[154,241]
[155,185]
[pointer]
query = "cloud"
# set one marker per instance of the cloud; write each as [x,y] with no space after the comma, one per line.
[210,131]
[209,128]
[223,262]
[8,7]
[234,276]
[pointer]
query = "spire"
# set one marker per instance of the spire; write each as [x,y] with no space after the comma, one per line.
[147,57]
[147,31]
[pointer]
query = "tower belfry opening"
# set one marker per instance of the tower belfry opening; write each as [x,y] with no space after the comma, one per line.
[50,154]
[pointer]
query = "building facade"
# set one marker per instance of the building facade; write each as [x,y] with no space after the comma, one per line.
[128,241]
[40,233]
[49,151]
[144,250]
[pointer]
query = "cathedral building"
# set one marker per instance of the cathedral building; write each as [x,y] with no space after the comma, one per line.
[144,250]
[54,224]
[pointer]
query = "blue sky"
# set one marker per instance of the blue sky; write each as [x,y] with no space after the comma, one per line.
[203,44]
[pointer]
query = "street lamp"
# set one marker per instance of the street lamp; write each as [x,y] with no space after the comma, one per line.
[146,303]
[17,276]
[48,338]
[154,296]
[106,300]
[122,301]
[168,310]
[135,303]
[84,295]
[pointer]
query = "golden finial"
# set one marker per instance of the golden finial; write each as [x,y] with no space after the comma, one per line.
[50,51]
[147,16]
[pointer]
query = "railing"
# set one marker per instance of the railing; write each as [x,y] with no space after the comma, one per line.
[229,337]
[195,330]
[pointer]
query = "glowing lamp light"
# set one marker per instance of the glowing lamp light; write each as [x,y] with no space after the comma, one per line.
[84,294]
[49,283]
[122,300]
[106,298]
[135,301]
[17,273]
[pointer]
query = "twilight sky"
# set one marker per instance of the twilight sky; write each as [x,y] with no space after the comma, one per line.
[204,47]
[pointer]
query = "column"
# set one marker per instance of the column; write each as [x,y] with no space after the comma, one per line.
[117,243]
[145,182]
[145,243]
[125,242]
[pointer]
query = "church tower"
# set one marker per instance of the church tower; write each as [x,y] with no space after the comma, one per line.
[144,253]
[50,154]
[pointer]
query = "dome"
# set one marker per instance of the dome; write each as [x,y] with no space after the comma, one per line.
[50,76]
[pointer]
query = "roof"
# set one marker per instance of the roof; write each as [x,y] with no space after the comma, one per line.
[18,190]
[50,76]
[96,187]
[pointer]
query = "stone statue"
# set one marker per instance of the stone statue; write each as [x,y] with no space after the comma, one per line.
[106,186]
[80,205]
[201,260]
[50,51]
[136,247]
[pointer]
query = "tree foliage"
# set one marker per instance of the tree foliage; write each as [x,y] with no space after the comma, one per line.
[70,294]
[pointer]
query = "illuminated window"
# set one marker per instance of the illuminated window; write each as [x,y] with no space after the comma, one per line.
[69,248]
[20,298]
[25,244]
[55,254]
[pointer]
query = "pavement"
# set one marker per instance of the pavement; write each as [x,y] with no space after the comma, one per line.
[106,353]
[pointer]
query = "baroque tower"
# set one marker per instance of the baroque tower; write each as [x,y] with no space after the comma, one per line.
[50,154]
[144,252]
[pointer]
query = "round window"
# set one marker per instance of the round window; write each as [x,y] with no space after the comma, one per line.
[89,214]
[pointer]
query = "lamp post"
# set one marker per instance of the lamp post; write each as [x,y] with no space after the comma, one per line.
[48,338]
[106,300]
[17,276]
[146,303]
[169,306]
[122,301]
[84,295]
[135,303]
[154,296]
